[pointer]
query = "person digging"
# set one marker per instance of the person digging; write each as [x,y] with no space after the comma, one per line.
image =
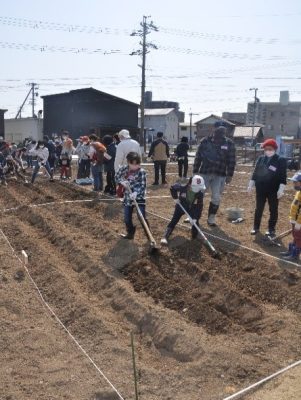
[131,185]
[190,195]
[294,248]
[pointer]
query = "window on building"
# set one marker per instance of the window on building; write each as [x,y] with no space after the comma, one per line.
[282,114]
[272,114]
[183,128]
[282,127]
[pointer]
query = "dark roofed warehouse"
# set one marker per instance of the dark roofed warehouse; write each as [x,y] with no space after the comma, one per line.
[86,110]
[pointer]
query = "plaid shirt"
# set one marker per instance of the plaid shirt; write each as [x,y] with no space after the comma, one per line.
[137,180]
[212,158]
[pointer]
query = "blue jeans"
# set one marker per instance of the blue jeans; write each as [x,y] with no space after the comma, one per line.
[128,215]
[216,185]
[97,177]
[84,169]
[36,169]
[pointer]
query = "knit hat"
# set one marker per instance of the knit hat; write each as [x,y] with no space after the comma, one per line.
[270,142]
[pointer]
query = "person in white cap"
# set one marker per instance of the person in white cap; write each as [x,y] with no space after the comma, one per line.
[190,195]
[126,145]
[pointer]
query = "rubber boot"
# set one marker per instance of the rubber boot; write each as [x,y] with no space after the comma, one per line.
[167,233]
[294,256]
[130,233]
[211,214]
[288,252]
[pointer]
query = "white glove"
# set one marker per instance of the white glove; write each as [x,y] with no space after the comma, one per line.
[280,192]
[125,184]
[193,221]
[250,186]
[297,226]
[133,196]
[292,221]
[177,201]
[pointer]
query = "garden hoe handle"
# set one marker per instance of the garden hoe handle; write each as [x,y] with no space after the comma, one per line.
[143,222]
[207,244]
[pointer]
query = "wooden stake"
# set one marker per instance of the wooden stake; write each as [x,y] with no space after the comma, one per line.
[134,367]
[25,257]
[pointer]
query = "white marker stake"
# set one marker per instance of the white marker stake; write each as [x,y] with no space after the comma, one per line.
[25,257]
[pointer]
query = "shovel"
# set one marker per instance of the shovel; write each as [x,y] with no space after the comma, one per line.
[153,245]
[207,244]
[272,240]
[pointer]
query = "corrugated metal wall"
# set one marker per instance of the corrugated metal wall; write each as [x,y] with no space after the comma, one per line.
[79,112]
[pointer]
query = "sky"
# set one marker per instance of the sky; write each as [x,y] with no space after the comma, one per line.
[210,53]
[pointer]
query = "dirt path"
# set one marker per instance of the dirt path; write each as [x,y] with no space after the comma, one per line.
[202,327]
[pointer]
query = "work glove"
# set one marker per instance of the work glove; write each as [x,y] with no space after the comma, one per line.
[297,226]
[125,184]
[280,192]
[177,201]
[292,221]
[133,196]
[193,221]
[250,186]
[228,179]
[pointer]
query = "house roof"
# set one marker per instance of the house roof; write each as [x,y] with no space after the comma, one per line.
[92,90]
[217,118]
[157,111]
[245,131]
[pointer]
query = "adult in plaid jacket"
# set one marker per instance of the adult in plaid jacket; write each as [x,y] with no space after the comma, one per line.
[215,160]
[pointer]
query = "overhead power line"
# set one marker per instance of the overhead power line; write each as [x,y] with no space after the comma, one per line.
[43,48]
[90,29]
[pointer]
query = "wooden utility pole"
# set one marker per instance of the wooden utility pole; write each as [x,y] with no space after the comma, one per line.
[146,29]
[190,127]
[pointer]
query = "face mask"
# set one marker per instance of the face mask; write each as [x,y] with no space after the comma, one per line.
[42,146]
[269,153]
[195,188]
[134,167]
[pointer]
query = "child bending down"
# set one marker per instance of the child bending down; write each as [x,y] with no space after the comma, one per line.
[190,196]
[131,181]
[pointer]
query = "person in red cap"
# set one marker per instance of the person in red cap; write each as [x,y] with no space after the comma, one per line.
[269,179]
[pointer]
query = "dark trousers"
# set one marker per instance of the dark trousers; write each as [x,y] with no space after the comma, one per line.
[178,213]
[84,169]
[51,161]
[97,177]
[160,165]
[128,216]
[111,185]
[183,164]
[261,198]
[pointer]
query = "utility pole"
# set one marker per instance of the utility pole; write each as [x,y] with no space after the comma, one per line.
[190,128]
[32,91]
[33,97]
[146,29]
[254,112]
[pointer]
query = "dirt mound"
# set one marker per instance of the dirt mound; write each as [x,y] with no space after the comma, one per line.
[200,295]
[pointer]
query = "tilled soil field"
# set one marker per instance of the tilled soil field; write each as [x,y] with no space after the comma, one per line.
[204,328]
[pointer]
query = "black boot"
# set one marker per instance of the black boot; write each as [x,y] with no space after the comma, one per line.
[194,232]
[167,233]
[211,214]
[130,233]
